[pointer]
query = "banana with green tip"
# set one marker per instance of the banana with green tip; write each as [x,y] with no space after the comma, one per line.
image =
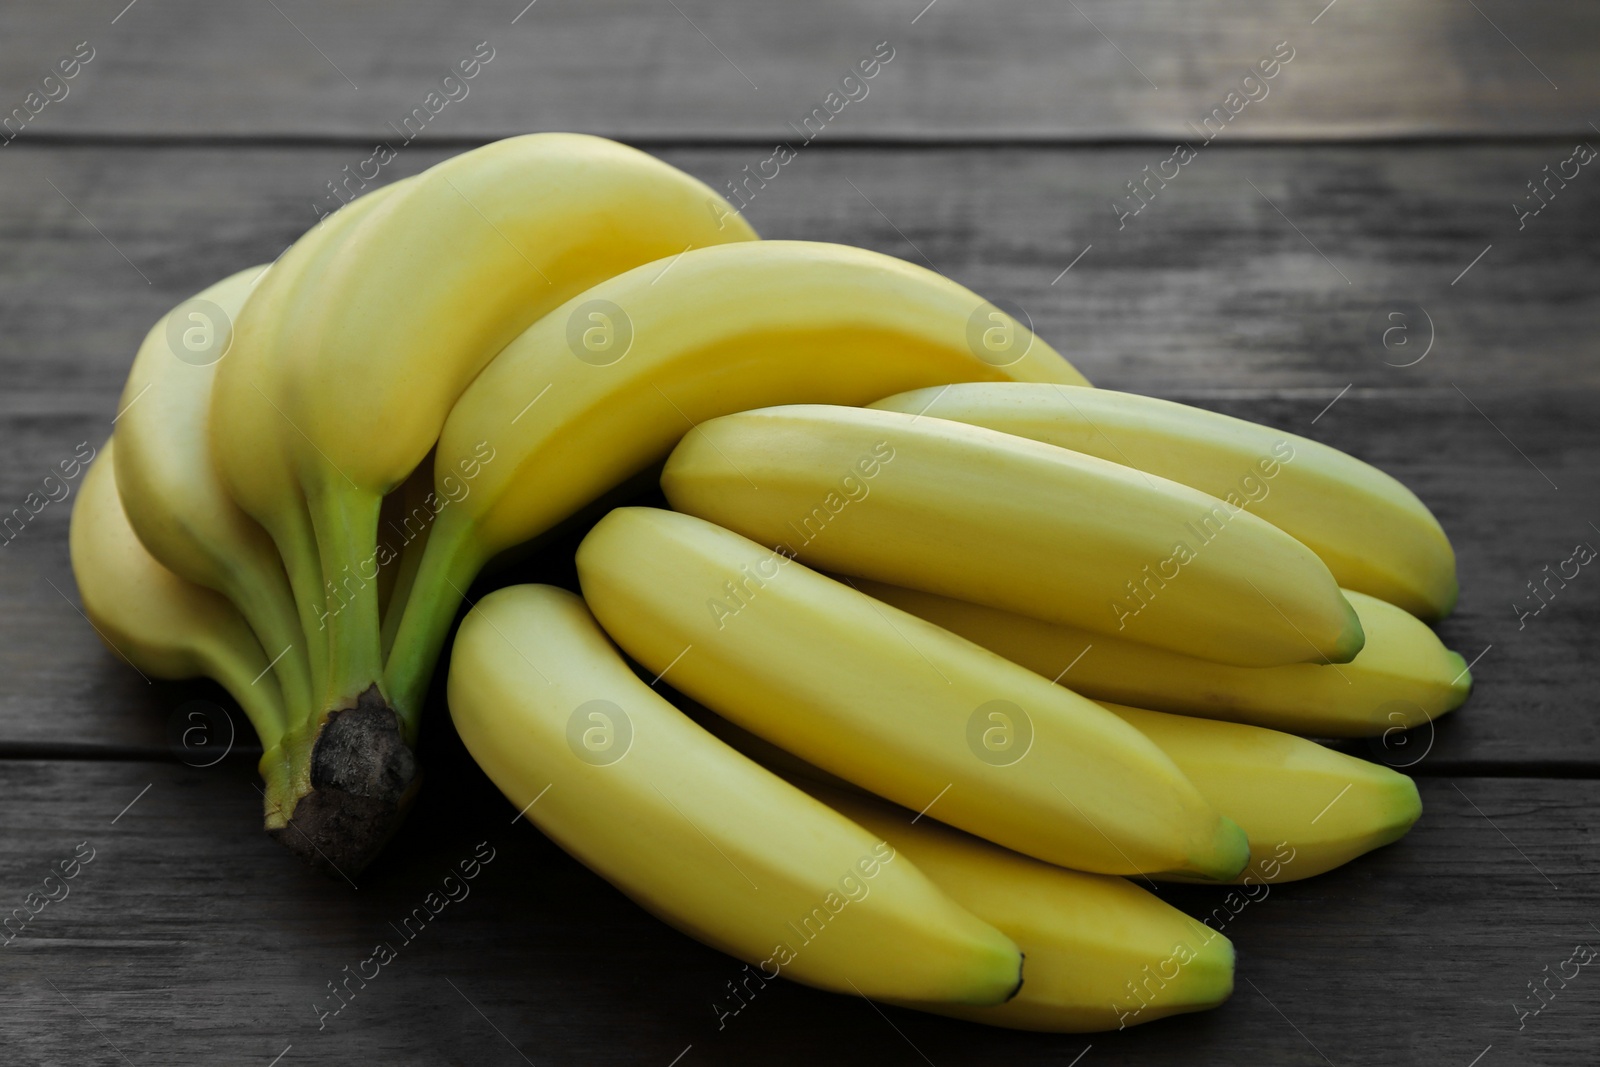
[985,516]
[694,832]
[1372,532]
[894,704]
[1403,676]
[1306,809]
[600,390]
[1326,808]
[1102,953]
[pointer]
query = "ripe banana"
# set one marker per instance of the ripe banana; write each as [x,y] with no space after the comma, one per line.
[1307,809]
[351,354]
[895,704]
[1373,533]
[173,495]
[973,513]
[1102,953]
[1324,807]
[165,626]
[697,834]
[601,389]
[1402,677]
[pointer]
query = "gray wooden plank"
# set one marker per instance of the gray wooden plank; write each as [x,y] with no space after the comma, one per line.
[1255,267]
[1021,68]
[190,938]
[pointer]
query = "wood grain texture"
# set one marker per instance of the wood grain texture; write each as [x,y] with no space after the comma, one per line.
[695,68]
[1209,295]
[192,939]
[1255,268]
[997,145]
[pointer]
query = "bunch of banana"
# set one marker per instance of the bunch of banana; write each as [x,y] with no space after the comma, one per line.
[436,372]
[951,637]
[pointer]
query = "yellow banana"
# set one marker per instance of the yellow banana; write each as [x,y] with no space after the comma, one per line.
[694,832]
[165,626]
[1372,532]
[174,496]
[1307,809]
[1402,677]
[1102,953]
[973,513]
[892,703]
[601,389]
[351,354]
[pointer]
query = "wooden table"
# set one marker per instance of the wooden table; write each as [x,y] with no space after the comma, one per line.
[1379,174]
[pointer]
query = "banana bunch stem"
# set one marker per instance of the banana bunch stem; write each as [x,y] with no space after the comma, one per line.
[446,568]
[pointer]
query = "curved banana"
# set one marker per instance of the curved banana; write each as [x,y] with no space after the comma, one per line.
[1323,807]
[1102,953]
[173,495]
[1306,809]
[602,388]
[165,626]
[894,704]
[1373,533]
[349,358]
[694,832]
[1402,677]
[973,513]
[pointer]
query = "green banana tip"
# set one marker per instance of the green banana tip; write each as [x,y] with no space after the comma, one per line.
[1352,639]
[1447,603]
[1227,857]
[1221,965]
[1406,809]
[1460,683]
[1022,966]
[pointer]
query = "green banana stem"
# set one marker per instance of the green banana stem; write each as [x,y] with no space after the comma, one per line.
[257,696]
[260,696]
[346,523]
[415,497]
[450,562]
[298,546]
[404,580]
[283,641]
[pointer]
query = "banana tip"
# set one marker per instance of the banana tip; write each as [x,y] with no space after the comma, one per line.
[1460,682]
[1447,603]
[1228,855]
[1352,639]
[1022,966]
